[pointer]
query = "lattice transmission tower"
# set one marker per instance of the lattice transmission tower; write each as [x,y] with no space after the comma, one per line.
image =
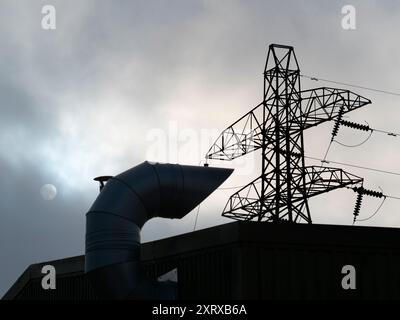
[276,127]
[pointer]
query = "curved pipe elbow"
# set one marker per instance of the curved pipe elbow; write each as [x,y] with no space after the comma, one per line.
[125,204]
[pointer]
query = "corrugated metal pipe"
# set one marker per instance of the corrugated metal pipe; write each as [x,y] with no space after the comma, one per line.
[125,203]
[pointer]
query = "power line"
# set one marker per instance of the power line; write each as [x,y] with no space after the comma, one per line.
[354,166]
[334,162]
[393,197]
[197,216]
[354,145]
[235,187]
[393,134]
[375,213]
[198,207]
[385,196]
[350,85]
[367,128]
[327,151]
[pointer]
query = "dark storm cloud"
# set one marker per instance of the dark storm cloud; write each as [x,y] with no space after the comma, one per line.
[19,106]
[32,229]
[97,51]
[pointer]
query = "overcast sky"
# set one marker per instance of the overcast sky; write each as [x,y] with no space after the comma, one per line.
[120,82]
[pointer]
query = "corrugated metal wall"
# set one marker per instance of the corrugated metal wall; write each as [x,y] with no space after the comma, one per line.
[71,287]
[295,273]
[206,274]
[254,271]
[253,261]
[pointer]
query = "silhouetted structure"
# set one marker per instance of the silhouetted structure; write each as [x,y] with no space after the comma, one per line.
[276,127]
[250,260]
[241,260]
[125,203]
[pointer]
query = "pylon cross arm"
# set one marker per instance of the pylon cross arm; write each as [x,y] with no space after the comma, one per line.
[242,137]
[247,204]
[324,179]
[324,104]
[318,105]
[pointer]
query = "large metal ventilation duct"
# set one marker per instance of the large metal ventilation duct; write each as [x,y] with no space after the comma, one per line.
[123,206]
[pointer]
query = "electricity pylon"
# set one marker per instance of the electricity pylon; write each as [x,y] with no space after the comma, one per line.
[276,127]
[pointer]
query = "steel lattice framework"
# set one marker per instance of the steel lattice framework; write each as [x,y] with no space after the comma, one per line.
[276,127]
